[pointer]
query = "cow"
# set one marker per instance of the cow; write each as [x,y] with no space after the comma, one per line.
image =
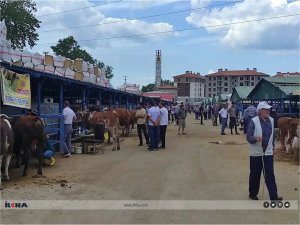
[30,137]
[109,118]
[283,125]
[124,120]
[132,119]
[292,133]
[7,146]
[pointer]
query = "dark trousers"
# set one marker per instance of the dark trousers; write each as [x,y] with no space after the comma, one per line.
[223,122]
[163,130]
[154,136]
[256,166]
[196,115]
[215,120]
[140,128]
[232,124]
[201,117]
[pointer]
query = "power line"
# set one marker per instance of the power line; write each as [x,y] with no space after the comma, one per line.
[184,29]
[143,17]
[72,10]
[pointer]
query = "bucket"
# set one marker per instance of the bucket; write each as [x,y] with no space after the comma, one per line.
[78,150]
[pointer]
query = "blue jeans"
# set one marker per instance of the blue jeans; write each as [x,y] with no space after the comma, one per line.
[224,121]
[256,167]
[153,136]
[48,154]
[68,133]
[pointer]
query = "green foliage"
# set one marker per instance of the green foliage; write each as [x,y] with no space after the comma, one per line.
[69,48]
[148,87]
[20,22]
[167,82]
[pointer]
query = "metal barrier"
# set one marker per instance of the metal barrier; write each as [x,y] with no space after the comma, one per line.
[55,128]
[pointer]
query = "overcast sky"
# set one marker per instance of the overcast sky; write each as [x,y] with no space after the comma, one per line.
[113,33]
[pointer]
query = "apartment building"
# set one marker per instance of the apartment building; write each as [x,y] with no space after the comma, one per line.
[224,81]
[190,87]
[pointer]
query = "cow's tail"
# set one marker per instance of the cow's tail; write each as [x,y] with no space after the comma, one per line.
[118,123]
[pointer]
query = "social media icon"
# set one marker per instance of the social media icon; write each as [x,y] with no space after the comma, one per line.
[266,205]
[287,205]
[279,204]
[273,204]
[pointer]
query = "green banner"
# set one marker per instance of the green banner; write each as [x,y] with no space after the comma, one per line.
[15,89]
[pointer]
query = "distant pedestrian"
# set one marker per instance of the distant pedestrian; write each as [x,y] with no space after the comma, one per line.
[232,111]
[172,114]
[181,118]
[140,115]
[69,117]
[201,113]
[261,145]
[163,124]
[215,114]
[249,113]
[176,110]
[223,115]
[95,107]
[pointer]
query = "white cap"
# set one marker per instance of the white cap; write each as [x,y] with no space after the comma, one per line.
[263,105]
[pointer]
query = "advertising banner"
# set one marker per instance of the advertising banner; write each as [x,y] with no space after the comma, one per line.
[15,89]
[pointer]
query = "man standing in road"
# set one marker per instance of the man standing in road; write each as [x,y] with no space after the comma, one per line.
[223,114]
[261,147]
[232,111]
[153,123]
[163,123]
[141,124]
[181,118]
[69,117]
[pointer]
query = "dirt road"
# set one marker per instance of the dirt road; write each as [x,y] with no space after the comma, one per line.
[190,168]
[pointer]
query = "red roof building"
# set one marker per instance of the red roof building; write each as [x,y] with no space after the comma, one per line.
[224,81]
[162,95]
[288,74]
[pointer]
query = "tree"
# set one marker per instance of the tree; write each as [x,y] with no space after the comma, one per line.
[68,47]
[108,69]
[167,82]
[20,22]
[148,87]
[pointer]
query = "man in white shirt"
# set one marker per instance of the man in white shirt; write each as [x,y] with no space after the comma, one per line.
[223,113]
[163,123]
[153,123]
[69,117]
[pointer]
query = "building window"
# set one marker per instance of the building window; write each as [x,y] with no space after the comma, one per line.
[258,78]
[209,89]
[226,84]
[232,83]
[214,89]
[252,83]
[214,78]
[209,84]
[241,78]
[186,79]
[225,89]
[226,78]
[209,95]
[241,84]
[209,78]
[214,84]
[252,78]
[178,79]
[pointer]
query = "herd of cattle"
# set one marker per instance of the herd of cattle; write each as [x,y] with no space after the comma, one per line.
[27,134]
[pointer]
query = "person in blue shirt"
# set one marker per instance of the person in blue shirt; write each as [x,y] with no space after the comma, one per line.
[49,152]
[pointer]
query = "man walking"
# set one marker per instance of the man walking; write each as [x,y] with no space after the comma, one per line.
[163,123]
[181,118]
[261,147]
[69,117]
[223,115]
[232,111]
[141,124]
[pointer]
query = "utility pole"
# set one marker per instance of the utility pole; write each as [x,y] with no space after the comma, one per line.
[125,78]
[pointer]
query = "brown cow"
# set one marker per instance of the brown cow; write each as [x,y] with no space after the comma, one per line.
[30,137]
[132,119]
[124,120]
[292,133]
[109,118]
[283,125]
[7,145]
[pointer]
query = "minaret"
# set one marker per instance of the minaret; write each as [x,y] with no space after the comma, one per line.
[158,69]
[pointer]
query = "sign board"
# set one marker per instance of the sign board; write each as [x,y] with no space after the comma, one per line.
[15,89]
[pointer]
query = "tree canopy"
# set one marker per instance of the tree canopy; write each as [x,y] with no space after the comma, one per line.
[68,47]
[20,22]
[151,86]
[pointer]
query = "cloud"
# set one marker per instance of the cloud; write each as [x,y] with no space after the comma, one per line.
[104,35]
[273,35]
